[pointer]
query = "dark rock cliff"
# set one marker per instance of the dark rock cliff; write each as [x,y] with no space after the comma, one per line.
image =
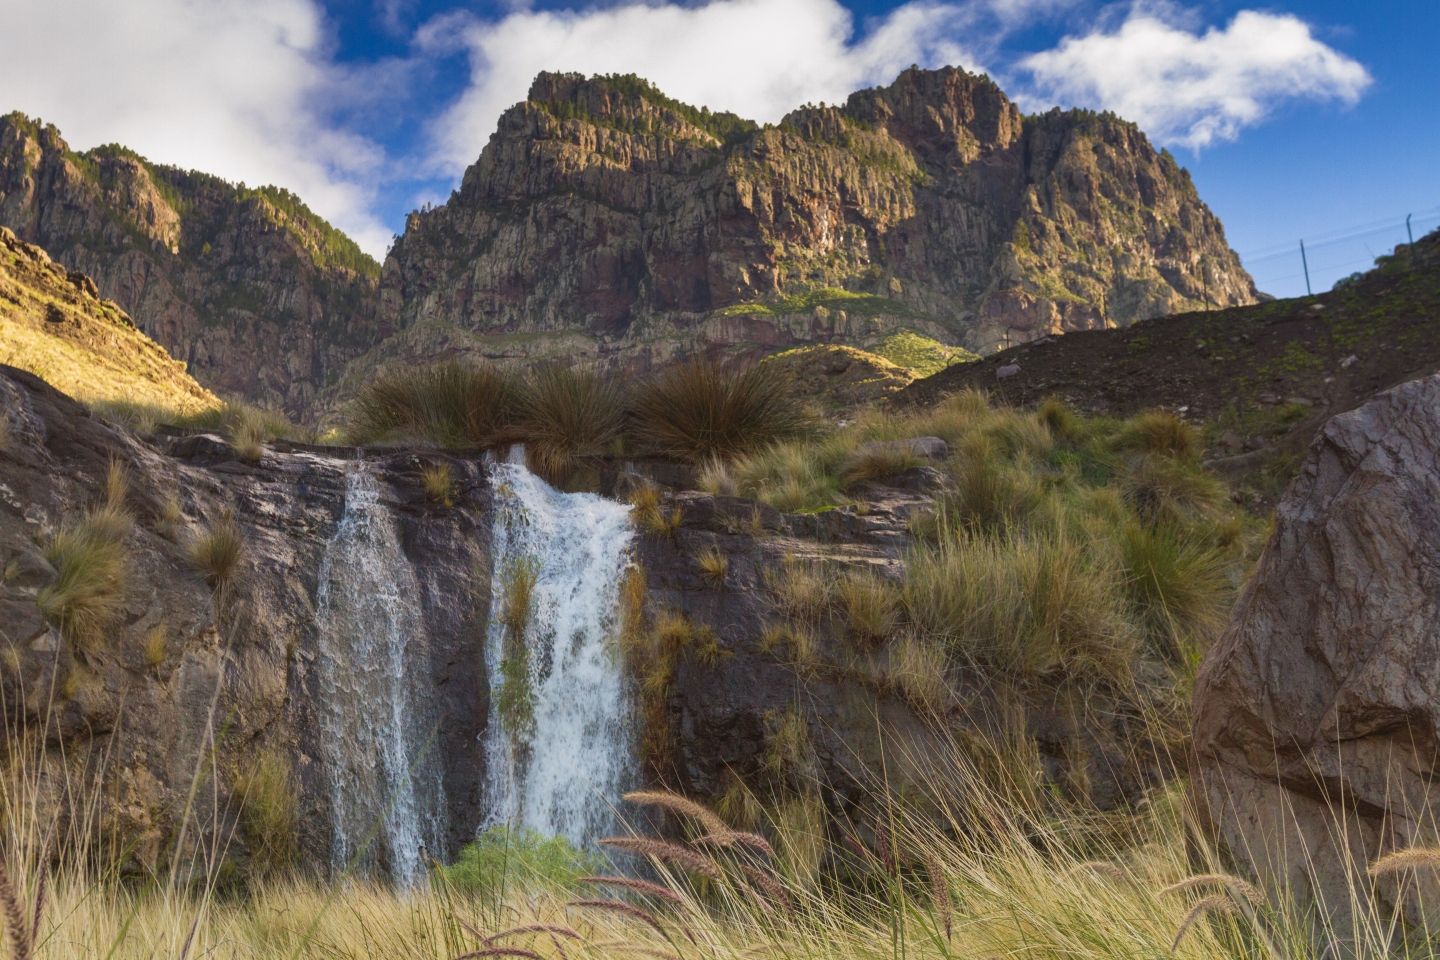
[605,220]
[136,703]
[260,297]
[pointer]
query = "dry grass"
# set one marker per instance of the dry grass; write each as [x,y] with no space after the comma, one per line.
[651,515]
[700,410]
[217,552]
[714,565]
[877,464]
[155,644]
[802,590]
[438,482]
[871,605]
[91,573]
[1162,433]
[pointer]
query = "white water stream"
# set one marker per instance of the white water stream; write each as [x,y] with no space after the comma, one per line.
[374,684]
[562,772]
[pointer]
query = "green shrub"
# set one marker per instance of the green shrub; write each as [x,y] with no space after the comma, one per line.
[565,413]
[700,410]
[444,404]
[504,860]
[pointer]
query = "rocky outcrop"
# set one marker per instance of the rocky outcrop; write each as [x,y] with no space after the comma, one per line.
[180,665]
[831,712]
[261,298]
[1317,715]
[603,208]
[54,324]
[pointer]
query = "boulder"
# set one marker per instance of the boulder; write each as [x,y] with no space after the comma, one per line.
[1317,715]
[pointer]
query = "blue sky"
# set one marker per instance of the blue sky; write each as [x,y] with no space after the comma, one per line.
[1313,120]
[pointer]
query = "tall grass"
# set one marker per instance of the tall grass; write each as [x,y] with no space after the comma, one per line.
[566,413]
[92,567]
[448,404]
[700,410]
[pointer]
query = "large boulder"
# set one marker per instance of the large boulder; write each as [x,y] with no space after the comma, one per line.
[1317,715]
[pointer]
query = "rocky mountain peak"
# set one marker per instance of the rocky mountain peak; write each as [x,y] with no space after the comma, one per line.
[261,298]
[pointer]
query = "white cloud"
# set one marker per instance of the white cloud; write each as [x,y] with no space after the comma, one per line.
[1195,88]
[757,58]
[230,87]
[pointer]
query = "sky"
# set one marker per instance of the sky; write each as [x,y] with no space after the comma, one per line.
[1314,121]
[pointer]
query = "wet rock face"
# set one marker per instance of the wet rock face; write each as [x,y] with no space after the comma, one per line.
[606,210]
[261,298]
[1317,715]
[249,661]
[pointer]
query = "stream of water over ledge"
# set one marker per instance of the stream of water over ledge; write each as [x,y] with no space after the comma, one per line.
[558,745]
[375,709]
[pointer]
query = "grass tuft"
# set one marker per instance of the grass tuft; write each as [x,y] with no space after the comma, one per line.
[701,410]
[91,572]
[269,811]
[564,413]
[714,565]
[438,482]
[1159,432]
[217,551]
[449,405]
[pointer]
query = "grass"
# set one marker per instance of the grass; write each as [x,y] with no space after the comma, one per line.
[699,410]
[714,565]
[566,413]
[504,863]
[154,646]
[216,553]
[91,566]
[269,812]
[449,405]
[438,482]
[515,700]
[1060,547]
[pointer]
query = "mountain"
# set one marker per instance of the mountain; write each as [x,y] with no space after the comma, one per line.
[1260,379]
[54,324]
[606,220]
[261,298]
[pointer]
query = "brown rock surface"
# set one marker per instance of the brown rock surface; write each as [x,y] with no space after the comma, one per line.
[602,207]
[260,297]
[254,662]
[1317,715]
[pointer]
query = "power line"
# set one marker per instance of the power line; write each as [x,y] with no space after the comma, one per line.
[1341,234]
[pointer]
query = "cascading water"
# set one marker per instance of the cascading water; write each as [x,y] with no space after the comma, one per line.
[375,717]
[558,747]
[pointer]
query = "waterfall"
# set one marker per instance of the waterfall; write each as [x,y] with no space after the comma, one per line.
[375,709]
[558,764]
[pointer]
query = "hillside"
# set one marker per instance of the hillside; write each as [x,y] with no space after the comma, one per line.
[1261,378]
[262,299]
[54,324]
[604,210]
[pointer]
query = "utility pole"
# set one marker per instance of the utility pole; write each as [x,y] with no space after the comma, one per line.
[1408,232]
[1306,264]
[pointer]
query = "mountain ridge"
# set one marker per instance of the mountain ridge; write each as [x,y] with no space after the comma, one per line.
[603,207]
[263,299]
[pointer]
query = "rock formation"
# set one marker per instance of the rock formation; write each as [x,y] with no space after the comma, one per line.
[1317,715]
[608,221]
[54,324]
[260,297]
[140,700]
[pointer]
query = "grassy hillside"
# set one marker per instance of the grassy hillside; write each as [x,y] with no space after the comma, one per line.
[54,325]
[1259,379]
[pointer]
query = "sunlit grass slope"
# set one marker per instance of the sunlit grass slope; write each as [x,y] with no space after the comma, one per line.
[54,325]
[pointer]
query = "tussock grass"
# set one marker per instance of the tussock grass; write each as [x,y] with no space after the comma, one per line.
[438,482]
[877,465]
[714,565]
[1162,433]
[701,410]
[449,405]
[269,812]
[154,646]
[871,605]
[91,565]
[565,413]
[216,552]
